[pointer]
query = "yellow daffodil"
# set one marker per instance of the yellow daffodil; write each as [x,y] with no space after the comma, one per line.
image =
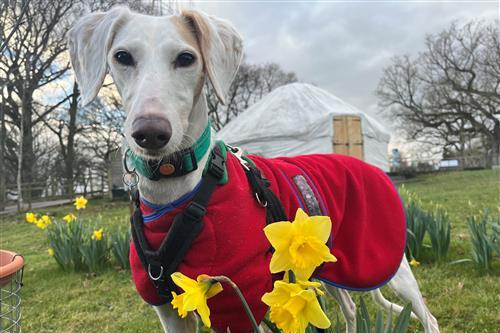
[40,224]
[300,245]
[178,303]
[69,218]
[43,222]
[50,251]
[97,234]
[414,263]
[195,295]
[80,202]
[30,217]
[306,284]
[293,306]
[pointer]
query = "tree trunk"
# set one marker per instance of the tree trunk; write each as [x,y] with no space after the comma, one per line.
[25,157]
[3,171]
[91,183]
[70,146]
[109,175]
[495,146]
[27,161]
[463,152]
[19,179]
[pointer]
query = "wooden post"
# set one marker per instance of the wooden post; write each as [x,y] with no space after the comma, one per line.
[102,185]
[91,183]
[28,194]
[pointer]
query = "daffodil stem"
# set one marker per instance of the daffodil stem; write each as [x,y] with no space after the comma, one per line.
[225,279]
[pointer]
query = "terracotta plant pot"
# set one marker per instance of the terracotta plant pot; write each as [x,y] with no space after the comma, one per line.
[10,263]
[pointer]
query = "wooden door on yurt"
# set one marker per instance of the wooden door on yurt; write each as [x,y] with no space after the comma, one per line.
[347,136]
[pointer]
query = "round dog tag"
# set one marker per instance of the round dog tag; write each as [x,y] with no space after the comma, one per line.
[167,169]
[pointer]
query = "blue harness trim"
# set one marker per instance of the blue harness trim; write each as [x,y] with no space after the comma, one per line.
[162,209]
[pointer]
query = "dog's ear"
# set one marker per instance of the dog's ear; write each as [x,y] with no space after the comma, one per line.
[221,47]
[89,41]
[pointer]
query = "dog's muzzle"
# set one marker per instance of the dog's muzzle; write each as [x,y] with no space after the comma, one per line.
[151,133]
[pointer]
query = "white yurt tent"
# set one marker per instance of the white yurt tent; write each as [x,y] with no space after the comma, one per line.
[302,119]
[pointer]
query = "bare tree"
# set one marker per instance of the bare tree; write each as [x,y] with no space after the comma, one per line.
[450,93]
[63,123]
[103,130]
[34,62]
[33,58]
[43,129]
[252,82]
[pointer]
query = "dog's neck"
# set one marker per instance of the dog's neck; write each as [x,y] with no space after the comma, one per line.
[168,189]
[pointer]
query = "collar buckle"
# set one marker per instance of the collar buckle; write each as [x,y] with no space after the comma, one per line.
[194,161]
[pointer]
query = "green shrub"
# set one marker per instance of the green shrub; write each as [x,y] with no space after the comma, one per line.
[415,224]
[77,245]
[483,243]
[439,230]
[496,235]
[120,247]
[415,228]
[364,323]
[420,221]
[94,250]
[64,241]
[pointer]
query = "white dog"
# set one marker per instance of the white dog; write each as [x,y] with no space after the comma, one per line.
[159,65]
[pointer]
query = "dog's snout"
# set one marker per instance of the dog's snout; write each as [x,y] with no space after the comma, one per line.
[151,132]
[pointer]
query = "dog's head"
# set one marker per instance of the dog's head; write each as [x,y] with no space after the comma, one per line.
[159,66]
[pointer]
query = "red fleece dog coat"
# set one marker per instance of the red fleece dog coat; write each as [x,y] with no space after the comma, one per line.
[368,230]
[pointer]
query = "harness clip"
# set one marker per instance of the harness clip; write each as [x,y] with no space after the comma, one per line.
[238,153]
[216,166]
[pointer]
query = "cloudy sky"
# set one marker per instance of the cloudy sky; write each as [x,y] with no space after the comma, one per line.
[342,46]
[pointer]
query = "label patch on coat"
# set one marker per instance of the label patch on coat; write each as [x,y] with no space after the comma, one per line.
[307,193]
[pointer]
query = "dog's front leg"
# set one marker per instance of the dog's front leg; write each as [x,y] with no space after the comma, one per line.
[171,321]
[347,306]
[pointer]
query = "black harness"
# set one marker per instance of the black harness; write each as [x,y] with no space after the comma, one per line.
[186,226]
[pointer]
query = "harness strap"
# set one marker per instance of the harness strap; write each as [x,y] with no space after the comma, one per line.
[161,263]
[186,226]
[260,186]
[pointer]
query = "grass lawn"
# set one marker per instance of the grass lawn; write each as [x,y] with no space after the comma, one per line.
[462,299]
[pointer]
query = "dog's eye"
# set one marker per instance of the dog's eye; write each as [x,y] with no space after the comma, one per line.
[184,59]
[124,58]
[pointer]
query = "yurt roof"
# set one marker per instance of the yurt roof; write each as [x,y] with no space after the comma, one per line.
[299,110]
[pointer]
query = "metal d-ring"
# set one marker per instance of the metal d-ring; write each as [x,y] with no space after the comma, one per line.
[130,179]
[155,278]
[134,177]
[124,161]
[263,204]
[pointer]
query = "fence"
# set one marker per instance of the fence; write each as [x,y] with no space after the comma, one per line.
[55,189]
[421,165]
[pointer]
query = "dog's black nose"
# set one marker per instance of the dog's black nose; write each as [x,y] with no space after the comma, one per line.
[151,132]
